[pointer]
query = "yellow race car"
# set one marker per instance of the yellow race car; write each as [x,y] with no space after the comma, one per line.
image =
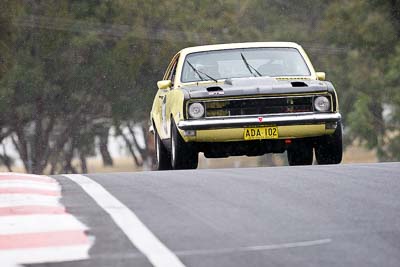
[245,99]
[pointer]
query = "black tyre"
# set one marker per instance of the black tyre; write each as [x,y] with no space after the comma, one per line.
[163,157]
[329,149]
[183,155]
[300,153]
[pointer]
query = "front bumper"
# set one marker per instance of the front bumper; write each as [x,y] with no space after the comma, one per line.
[276,120]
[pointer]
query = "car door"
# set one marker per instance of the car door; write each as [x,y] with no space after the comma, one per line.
[163,124]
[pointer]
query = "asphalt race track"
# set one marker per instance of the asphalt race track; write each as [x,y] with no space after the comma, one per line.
[345,215]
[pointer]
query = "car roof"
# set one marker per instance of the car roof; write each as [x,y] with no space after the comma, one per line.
[202,48]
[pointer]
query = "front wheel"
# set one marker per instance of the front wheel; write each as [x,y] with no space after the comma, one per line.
[329,149]
[300,153]
[163,158]
[183,155]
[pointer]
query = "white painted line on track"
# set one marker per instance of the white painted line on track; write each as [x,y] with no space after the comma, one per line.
[38,223]
[12,200]
[140,236]
[253,248]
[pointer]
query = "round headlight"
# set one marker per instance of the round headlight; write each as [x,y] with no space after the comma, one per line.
[196,110]
[322,103]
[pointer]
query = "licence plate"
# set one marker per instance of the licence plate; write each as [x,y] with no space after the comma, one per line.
[260,133]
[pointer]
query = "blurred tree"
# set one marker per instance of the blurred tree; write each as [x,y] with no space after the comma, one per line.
[370,37]
[45,98]
[6,10]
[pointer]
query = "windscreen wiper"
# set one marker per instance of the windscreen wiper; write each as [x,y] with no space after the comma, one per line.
[250,67]
[198,72]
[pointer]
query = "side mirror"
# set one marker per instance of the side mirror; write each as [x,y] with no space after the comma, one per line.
[164,84]
[321,76]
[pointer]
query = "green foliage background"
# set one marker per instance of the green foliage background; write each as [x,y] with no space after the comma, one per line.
[71,67]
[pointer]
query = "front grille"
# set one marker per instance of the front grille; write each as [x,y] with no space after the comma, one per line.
[259,106]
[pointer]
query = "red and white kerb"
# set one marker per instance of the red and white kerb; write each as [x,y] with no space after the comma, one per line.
[34,226]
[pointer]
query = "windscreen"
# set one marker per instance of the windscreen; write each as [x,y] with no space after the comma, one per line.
[248,62]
